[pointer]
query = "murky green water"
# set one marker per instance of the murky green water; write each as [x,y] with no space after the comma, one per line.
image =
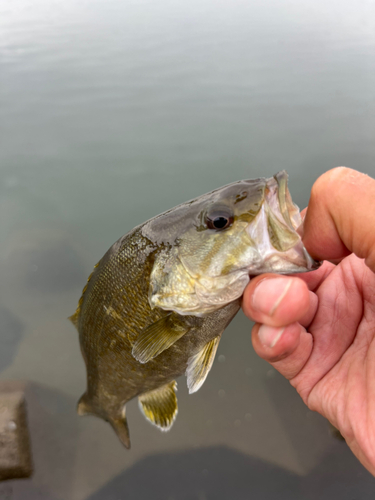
[112,112]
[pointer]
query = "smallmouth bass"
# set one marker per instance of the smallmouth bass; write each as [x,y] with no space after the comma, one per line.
[158,301]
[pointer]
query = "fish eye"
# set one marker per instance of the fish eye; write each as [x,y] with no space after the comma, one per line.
[219,220]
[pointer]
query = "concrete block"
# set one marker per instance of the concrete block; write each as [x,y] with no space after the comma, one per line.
[15,455]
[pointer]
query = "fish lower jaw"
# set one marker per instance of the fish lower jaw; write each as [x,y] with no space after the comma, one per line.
[296,260]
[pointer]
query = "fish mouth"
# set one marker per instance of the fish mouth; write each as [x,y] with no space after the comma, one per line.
[280,248]
[288,209]
[292,216]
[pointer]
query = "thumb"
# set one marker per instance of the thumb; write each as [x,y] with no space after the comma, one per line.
[340,217]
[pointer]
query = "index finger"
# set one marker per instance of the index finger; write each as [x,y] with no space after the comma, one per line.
[341,216]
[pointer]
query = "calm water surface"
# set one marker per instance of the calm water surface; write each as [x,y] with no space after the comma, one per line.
[112,112]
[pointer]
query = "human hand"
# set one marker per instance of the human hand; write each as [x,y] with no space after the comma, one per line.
[318,329]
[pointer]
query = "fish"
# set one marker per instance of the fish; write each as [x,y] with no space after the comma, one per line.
[156,304]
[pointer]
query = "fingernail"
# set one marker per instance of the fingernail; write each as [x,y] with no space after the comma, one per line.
[269,336]
[269,293]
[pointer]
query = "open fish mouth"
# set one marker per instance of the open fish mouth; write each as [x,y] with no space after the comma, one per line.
[274,232]
[288,209]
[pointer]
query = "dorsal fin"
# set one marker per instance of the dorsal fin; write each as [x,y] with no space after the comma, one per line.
[74,318]
[160,405]
[158,336]
[200,364]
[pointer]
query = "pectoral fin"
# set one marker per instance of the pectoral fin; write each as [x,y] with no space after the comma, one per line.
[160,406]
[157,337]
[200,364]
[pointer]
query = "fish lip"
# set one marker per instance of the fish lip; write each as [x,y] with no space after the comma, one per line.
[311,263]
[285,205]
[315,263]
[283,193]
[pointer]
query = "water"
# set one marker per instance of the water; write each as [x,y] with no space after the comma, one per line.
[112,112]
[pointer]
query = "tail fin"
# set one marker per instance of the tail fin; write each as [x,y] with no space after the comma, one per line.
[120,426]
[118,421]
[84,406]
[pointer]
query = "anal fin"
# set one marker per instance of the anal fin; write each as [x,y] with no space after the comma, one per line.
[200,364]
[160,405]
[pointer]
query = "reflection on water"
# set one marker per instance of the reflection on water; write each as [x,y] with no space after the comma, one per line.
[221,472]
[54,269]
[112,112]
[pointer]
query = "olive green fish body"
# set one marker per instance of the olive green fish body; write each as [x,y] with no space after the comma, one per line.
[114,308]
[157,303]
